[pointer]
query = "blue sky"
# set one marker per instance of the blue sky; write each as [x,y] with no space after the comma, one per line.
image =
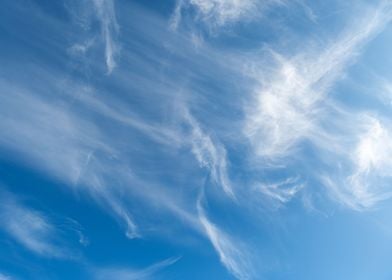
[195,139]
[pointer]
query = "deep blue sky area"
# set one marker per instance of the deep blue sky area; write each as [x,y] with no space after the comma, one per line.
[195,139]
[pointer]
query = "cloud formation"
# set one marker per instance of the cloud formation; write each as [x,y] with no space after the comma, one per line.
[182,114]
[209,154]
[292,97]
[217,13]
[292,108]
[283,191]
[134,274]
[86,15]
[32,229]
[110,29]
[230,253]
[365,181]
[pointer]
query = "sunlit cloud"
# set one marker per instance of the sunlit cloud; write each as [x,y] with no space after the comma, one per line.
[366,181]
[291,99]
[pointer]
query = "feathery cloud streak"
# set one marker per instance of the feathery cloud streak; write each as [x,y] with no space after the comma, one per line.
[85,14]
[134,274]
[109,28]
[32,229]
[290,101]
[217,13]
[231,255]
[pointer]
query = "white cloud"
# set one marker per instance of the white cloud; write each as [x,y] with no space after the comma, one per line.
[176,16]
[231,255]
[134,274]
[287,107]
[368,177]
[45,132]
[74,226]
[222,11]
[209,154]
[84,14]
[81,48]
[106,195]
[69,142]
[109,28]
[282,191]
[374,149]
[120,113]
[217,13]
[57,140]
[31,229]
[66,145]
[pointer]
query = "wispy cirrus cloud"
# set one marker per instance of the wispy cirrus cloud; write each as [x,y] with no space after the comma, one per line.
[291,99]
[209,154]
[282,191]
[150,272]
[110,29]
[91,162]
[84,17]
[122,143]
[217,13]
[292,108]
[230,252]
[365,179]
[44,129]
[32,229]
